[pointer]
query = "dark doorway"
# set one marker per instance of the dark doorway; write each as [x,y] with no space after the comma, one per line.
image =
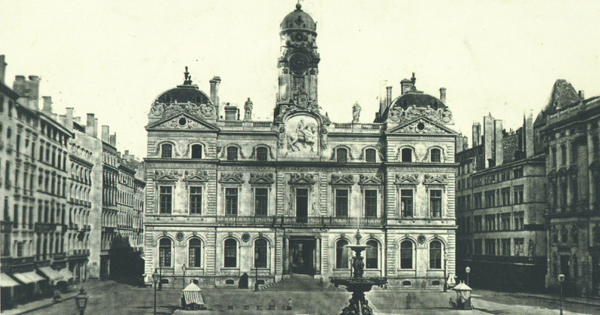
[302,255]
[595,275]
[564,267]
[301,205]
[244,281]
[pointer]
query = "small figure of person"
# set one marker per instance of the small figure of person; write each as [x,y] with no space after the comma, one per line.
[272,304]
[289,306]
[57,296]
[452,304]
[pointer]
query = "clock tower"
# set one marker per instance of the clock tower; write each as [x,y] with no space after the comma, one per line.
[298,63]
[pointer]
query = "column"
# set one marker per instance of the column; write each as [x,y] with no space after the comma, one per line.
[591,184]
[286,256]
[570,198]
[318,256]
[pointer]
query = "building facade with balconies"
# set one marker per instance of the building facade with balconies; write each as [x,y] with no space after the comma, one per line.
[234,202]
[568,129]
[500,205]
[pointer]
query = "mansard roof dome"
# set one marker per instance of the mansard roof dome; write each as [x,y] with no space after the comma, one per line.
[187,92]
[298,20]
[419,99]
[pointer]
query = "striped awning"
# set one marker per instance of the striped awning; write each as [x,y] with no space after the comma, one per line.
[52,274]
[192,295]
[34,276]
[66,273]
[7,282]
[28,277]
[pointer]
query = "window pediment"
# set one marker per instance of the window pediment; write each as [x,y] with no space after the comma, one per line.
[261,178]
[166,176]
[342,179]
[370,180]
[196,176]
[232,178]
[407,179]
[302,179]
[435,179]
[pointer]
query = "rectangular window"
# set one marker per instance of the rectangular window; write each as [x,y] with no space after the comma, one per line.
[505,192]
[477,223]
[341,202]
[477,200]
[407,203]
[478,247]
[505,222]
[301,205]
[231,201]
[519,246]
[195,200]
[518,194]
[490,221]
[519,220]
[261,201]
[20,249]
[166,199]
[506,247]
[371,203]
[435,198]
[490,247]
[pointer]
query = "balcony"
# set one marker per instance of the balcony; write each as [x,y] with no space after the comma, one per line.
[299,221]
[59,256]
[45,227]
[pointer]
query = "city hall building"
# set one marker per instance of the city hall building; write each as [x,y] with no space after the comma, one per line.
[232,201]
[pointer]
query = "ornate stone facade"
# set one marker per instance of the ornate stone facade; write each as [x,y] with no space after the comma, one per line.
[283,197]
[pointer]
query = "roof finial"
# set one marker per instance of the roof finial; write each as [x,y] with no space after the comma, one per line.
[188,78]
[413,79]
[298,6]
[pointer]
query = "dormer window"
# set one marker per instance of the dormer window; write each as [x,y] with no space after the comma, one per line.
[261,154]
[436,155]
[406,155]
[166,151]
[196,151]
[232,154]
[342,155]
[370,155]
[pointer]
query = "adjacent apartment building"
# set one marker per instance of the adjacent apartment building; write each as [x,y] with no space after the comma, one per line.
[500,191]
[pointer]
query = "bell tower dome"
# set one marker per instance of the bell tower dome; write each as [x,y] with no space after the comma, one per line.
[298,62]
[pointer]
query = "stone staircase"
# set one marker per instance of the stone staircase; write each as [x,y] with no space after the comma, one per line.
[297,282]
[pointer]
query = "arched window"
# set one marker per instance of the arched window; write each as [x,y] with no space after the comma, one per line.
[370,155]
[196,151]
[406,155]
[435,255]
[342,155]
[230,253]
[195,248]
[406,255]
[373,254]
[165,252]
[341,257]
[262,154]
[260,253]
[232,154]
[436,155]
[166,150]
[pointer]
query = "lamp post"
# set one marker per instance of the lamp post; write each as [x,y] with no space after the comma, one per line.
[256,272]
[81,301]
[445,271]
[561,280]
[160,277]
[468,270]
[183,268]
[155,279]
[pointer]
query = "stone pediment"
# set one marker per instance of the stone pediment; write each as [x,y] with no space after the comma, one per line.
[232,178]
[196,176]
[166,176]
[302,179]
[422,126]
[343,179]
[407,179]
[182,121]
[435,179]
[370,180]
[261,178]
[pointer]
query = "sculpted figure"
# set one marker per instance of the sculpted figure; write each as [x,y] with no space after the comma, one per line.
[248,110]
[157,109]
[356,112]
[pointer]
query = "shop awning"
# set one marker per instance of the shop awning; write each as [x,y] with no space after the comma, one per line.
[24,279]
[33,276]
[7,282]
[52,274]
[192,295]
[66,273]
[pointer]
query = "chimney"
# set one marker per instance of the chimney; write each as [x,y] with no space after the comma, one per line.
[459,142]
[2,68]
[488,140]
[382,98]
[19,85]
[529,141]
[55,117]
[33,87]
[95,135]
[443,95]
[231,112]
[465,143]
[126,155]
[476,134]
[89,126]
[214,92]
[581,94]
[47,105]
[105,133]
[77,119]
[62,119]
[113,140]
[388,96]
[405,84]
[499,148]
[69,118]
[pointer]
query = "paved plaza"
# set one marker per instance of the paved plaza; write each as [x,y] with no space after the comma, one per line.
[111,298]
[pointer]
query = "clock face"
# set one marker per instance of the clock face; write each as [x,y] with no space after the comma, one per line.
[299,62]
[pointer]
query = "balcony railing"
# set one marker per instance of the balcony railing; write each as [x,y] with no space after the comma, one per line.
[299,221]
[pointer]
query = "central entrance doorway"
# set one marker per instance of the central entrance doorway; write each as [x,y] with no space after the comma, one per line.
[302,256]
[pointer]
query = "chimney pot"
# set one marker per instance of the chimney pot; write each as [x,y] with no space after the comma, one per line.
[443,95]
[47,105]
[105,133]
[581,94]
[69,118]
[388,96]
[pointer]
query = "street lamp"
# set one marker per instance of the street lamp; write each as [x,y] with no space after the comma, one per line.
[445,271]
[468,270]
[81,301]
[256,272]
[155,280]
[183,268]
[561,280]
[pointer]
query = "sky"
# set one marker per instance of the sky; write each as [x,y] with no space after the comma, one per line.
[113,58]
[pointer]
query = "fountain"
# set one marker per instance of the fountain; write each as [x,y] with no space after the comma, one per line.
[357,284]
